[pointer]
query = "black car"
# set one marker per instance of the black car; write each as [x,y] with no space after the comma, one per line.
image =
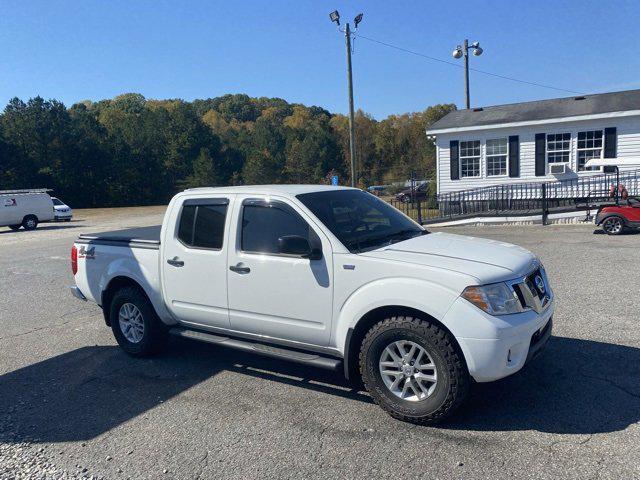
[420,192]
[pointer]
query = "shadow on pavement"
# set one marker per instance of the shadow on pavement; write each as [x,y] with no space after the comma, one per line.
[45,227]
[574,387]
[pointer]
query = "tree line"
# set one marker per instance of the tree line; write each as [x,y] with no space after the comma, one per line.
[130,150]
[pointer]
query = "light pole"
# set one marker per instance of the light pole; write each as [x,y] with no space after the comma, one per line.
[335,17]
[463,51]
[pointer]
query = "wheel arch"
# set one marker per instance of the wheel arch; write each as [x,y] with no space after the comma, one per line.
[115,284]
[356,334]
[613,214]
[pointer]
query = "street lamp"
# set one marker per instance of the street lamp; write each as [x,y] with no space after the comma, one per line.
[463,51]
[335,17]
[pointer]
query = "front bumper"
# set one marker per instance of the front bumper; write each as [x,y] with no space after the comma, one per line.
[496,347]
[63,216]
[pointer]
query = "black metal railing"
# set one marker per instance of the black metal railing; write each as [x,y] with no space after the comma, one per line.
[521,199]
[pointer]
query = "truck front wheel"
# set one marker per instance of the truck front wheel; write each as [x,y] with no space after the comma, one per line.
[134,322]
[412,370]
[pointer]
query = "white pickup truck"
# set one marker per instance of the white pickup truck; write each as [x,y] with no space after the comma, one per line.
[329,277]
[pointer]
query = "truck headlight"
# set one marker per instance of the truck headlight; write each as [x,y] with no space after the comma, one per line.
[495,299]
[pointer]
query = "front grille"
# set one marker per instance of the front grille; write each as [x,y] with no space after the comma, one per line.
[533,291]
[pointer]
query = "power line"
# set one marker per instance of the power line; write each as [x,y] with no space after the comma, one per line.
[504,77]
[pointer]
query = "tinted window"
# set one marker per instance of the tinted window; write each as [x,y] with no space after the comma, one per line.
[264,224]
[185,229]
[202,226]
[360,220]
[56,201]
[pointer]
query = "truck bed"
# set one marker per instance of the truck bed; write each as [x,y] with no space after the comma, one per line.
[139,237]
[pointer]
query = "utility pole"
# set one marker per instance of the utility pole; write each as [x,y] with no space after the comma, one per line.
[466,73]
[352,126]
[335,18]
[463,51]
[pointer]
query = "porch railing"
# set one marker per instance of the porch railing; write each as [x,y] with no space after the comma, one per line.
[520,199]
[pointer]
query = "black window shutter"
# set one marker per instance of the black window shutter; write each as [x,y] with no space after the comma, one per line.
[610,141]
[514,156]
[541,146]
[455,164]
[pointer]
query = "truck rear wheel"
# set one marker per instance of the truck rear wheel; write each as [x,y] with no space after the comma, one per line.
[412,370]
[135,324]
[30,222]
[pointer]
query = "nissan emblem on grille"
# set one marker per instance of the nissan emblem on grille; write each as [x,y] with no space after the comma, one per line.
[540,284]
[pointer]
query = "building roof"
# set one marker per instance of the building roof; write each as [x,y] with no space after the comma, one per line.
[539,111]
[285,190]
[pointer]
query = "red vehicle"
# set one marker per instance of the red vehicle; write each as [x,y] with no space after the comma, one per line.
[614,219]
[625,212]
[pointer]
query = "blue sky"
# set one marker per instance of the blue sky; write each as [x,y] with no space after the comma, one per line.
[93,49]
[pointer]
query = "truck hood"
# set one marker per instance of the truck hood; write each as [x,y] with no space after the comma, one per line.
[488,261]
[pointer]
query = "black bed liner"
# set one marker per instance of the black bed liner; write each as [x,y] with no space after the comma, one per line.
[139,237]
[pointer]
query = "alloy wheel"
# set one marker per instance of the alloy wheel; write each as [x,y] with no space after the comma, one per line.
[408,370]
[131,322]
[613,225]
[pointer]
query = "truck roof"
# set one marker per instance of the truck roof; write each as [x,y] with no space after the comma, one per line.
[286,190]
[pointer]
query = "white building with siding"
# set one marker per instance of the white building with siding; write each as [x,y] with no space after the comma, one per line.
[538,141]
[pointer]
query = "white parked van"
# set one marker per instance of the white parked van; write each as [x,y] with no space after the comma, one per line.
[25,208]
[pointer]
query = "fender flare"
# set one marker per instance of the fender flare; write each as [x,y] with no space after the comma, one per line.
[126,268]
[415,296]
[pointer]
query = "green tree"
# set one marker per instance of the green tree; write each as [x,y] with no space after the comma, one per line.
[204,172]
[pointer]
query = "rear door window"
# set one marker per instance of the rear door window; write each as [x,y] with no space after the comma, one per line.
[202,223]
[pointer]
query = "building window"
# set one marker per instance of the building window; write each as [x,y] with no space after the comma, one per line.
[589,146]
[470,159]
[497,151]
[558,147]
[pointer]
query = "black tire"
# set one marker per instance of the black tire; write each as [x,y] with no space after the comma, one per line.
[613,225]
[453,381]
[15,227]
[30,222]
[155,333]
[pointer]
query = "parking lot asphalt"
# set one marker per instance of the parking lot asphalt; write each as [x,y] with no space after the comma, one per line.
[75,406]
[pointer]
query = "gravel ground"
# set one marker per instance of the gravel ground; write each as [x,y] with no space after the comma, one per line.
[74,406]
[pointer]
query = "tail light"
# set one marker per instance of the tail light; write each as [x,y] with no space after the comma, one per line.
[74,260]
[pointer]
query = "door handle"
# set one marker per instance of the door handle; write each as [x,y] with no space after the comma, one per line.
[239,269]
[175,262]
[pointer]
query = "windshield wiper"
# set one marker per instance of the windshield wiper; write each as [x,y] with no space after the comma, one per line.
[406,235]
[377,242]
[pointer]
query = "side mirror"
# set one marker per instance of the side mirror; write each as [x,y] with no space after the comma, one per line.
[297,245]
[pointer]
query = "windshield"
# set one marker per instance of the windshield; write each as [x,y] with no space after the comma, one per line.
[56,201]
[360,220]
